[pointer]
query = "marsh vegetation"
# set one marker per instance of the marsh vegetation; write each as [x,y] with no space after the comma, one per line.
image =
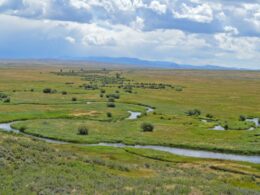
[91,105]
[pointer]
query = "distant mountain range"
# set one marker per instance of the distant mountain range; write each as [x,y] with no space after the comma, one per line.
[129,62]
[135,62]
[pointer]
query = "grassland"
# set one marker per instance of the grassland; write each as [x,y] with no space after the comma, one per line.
[30,166]
[33,167]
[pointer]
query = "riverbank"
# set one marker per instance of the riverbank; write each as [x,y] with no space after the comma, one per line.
[173,150]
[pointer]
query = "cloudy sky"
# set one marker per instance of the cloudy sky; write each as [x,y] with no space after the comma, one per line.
[222,32]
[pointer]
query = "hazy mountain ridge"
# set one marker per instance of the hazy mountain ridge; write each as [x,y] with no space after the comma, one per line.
[155,64]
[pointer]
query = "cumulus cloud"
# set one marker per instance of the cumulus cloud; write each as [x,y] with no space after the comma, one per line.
[186,31]
[138,24]
[199,13]
[231,30]
[158,7]
[70,39]
[241,47]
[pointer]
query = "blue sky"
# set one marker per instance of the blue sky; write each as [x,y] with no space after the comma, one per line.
[198,32]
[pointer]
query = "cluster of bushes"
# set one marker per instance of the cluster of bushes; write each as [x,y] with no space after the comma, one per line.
[194,112]
[49,90]
[105,80]
[111,99]
[209,116]
[102,92]
[4,98]
[152,85]
[111,104]
[128,88]
[113,95]
[90,87]
[72,73]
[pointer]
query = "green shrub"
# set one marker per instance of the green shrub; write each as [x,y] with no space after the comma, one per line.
[7,100]
[178,88]
[111,99]
[64,92]
[49,90]
[22,129]
[209,115]
[109,114]
[115,96]
[74,99]
[82,130]
[242,118]
[147,127]
[194,112]
[111,104]
[226,127]
[2,96]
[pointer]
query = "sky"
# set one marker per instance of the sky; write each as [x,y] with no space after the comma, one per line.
[197,32]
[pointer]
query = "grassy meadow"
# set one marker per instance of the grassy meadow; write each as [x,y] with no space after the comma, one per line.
[54,101]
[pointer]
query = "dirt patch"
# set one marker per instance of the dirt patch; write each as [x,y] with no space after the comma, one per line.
[89,113]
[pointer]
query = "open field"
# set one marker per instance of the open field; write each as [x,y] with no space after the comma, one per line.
[33,167]
[54,101]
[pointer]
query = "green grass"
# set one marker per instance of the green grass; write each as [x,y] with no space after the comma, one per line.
[175,132]
[32,167]
[172,126]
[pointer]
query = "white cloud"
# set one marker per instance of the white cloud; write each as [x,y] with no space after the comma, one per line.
[200,13]
[135,28]
[253,15]
[2,2]
[231,30]
[158,7]
[70,39]
[138,24]
[241,47]
[80,4]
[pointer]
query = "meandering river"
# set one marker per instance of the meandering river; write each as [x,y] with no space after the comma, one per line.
[173,150]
